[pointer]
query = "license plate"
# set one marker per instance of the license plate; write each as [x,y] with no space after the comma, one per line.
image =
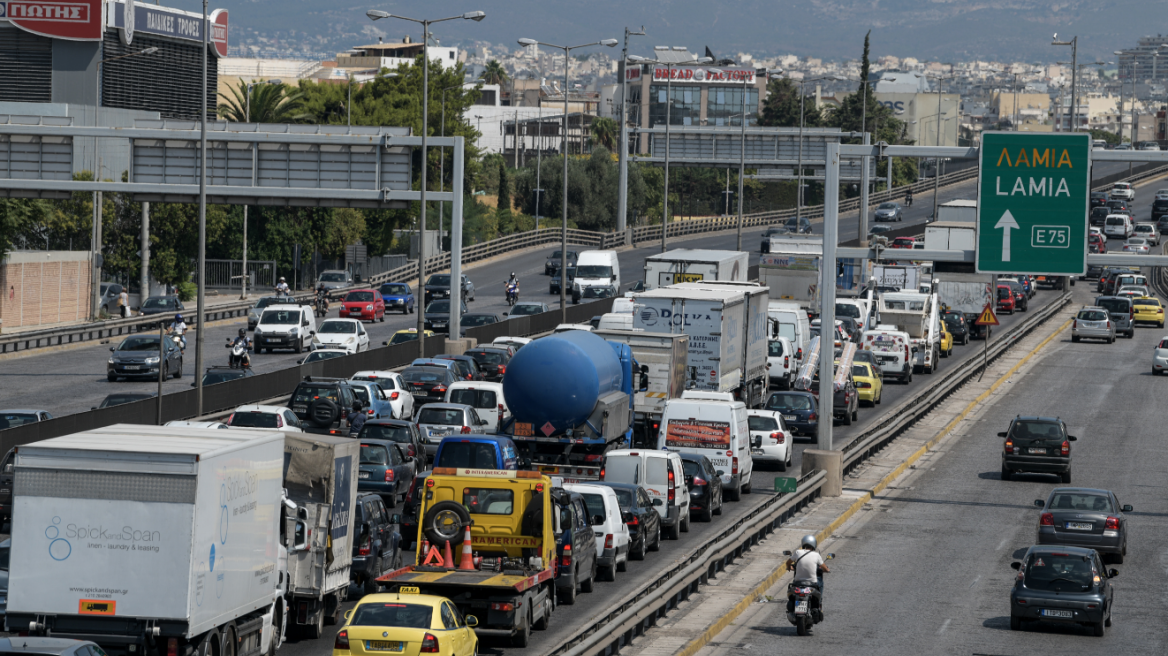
[271,339]
[756,451]
[1080,526]
[131,367]
[363,475]
[1040,452]
[790,418]
[1051,612]
[383,645]
[801,608]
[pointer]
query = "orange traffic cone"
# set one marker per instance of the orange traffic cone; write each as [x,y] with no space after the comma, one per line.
[467,554]
[448,560]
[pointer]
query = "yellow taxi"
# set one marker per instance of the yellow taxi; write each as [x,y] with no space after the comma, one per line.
[1148,310]
[403,336]
[946,341]
[406,624]
[868,384]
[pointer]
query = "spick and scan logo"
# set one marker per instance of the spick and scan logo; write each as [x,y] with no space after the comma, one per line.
[59,547]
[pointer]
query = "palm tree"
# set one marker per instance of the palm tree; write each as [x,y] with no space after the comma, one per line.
[604,131]
[494,73]
[270,103]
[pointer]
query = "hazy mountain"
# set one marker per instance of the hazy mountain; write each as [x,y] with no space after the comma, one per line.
[1002,30]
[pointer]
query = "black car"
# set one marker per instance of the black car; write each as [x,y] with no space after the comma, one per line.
[138,357]
[322,403]
[1037,445]
[385,469]
[468,367]
[118,398]
[1099,214]
[801,225]
[475,319]
[492,362]
[640,517]
[438,315]
[553,262]
[1159,209]
[1098,198]
[1066,585]
[438,286]
[222,373]
[161,305]
[704,484]
[869,358]
[575,546]
[800,411]
[957,324]
[377,547]
[1119,207]
[593,293]
[427,384]
[400,431]
[554,286]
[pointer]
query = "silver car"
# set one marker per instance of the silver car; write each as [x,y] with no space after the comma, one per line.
[253,314]
[1093,323]
[889,212]
[437,420]
[1084,517]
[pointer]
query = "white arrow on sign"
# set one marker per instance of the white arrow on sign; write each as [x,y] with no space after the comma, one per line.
[1006,223]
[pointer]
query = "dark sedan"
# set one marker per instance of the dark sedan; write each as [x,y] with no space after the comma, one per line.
[385,469]
[1037,445]
[427,384]
[492,362]
[553,262]
[957,324]
[800,411]
[593,293]
[1061,584]
[438,286]
[801,225]
[704,484]
[222,373]
[640,517]
[161,305]
[118,398]
[1098,216]
[438,315]
[137,356]
[1098,199]
[475,319]
[554,286]
[1084,517]
[468,367]
[399,431]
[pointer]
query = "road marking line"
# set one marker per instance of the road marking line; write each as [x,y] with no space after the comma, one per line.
[975,580]
[708,635]
[944,625]
[1002,544]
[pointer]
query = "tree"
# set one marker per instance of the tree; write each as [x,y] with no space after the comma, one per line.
[504,187]
[604,133]
[494,73]
[270,103]
[781,107]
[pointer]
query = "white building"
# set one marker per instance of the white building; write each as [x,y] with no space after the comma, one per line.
[393,54]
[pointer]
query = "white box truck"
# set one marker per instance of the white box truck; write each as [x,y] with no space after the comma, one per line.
[663,358]
[149,540]
[950,236]
[693,265]
[897,276]
[791,270]
[964,211]
[758,332]
[918,315]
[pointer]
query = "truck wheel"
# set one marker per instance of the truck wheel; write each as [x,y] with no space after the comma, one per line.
[277,630]
[523,636]
[445,521]
[542,623]
[315,630]
[332,609]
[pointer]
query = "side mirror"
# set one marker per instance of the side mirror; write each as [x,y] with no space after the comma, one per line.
[301,360]
[786,553]
[111,349]
[504,314]
[1002,434]
[644,383]
[472,621]
[311,332]
[1112,573]
[720,473]
[657,503]
[349,613]
[385,343]
[1071,438]
[1016,565]
[1040,503]
[1127,509]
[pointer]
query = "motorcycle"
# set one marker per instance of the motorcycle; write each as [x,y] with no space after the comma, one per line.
[238,358]
[181,340]
[908,200]
[512,293]
[321,305]
[804,608]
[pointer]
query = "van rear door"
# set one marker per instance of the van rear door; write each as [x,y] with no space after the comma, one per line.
[656,481]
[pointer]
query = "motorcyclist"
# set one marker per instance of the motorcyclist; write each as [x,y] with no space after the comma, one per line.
[282,287]
[356,419]
[178,330]
[807,564]
[242,339]
[908,198]
[511,286]
[322,296]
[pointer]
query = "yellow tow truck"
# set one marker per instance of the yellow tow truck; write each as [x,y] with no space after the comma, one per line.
[506,578]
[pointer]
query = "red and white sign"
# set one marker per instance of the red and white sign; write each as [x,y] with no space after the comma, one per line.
[76,20]
[218,20]
[703,75]
[632,73]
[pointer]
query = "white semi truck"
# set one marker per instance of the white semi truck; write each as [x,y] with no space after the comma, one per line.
[695,265]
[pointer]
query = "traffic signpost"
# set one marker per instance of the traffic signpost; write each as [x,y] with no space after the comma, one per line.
[988,318]
[1032,203]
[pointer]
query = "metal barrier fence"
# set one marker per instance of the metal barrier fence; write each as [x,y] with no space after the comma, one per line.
[227,274]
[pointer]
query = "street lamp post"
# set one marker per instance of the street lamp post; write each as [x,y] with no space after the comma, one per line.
[1074,44]
[247,119]
[611,43]
[622,201]
[456,267]
[200,304]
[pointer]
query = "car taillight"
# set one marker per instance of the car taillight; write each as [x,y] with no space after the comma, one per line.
[812,417]
[1111,524]
[1009,446]
[734,465]
[566,558]
[672,486]
[1109,324]
[429,644]
[366,547]
[439,389]
[1066,450]
[410,452]
[229,418]
[778,437]
[602,473]
[465,430]
[342,641]
[699,481]
[906,353]
[393,396]
[1075,324]
[608,541]
[369,411]
[786,361]
[634,521]
[1046,519]
[502,369]
[389,476]
[799,354]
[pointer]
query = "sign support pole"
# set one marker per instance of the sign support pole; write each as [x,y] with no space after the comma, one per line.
[827,297]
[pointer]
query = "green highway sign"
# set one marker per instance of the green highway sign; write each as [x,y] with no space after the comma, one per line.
[1032,201]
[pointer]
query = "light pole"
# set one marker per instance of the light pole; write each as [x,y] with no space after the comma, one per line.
[1014,118]
[201,303]
[668,106]
[538,167]
[611,43]
[1074,44]
[937,169]
[455,280]
[622,200]
[247,119]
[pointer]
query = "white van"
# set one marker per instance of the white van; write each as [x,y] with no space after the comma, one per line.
[790,321]
[624,305]
[596,269]
[662,476]
[616,321]
[1118,225]
[284,327]
[893,349]
[718,430]
[486,398]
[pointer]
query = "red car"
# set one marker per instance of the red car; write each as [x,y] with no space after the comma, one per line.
[363,304]
[903,242]
[1005,299]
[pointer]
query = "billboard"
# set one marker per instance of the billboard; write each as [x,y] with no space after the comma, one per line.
[75,20]
[703,75]
[131,18]
[697,434]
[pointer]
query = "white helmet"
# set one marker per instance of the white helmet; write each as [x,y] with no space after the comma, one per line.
[810,542]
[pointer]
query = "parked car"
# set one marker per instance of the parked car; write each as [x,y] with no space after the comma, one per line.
[139,356]
[397,296]
[612,535]
[377,546]
[384,469]
[363,305]
[1037,445]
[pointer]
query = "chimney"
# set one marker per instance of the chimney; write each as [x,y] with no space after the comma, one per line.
[379,39]
[407,39]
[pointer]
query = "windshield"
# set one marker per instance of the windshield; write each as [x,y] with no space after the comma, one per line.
[593,271]
[139,344]
[410,616]
[1147,302]
[14,419]
[523,309]
[1093,315]
[847,310]
[384,382]
[1036,433]
[441,416]
[399,338]
[775,349]
[344,327]
[374,454]
[886,206]
[599,292]
[317,356]
[155,303]
[1003,292]
[1059,572]
[335,276]
[399,434]
[783,402]
[478,320]
[1114,305]
[254,420]
[486,357]
[571,273]
[212,377]
[280,317]
[476,455]
[394,290]
[359,297]
[475,398]
[623,469]
[439,280]
[762,423]
[424,375]
[438,306]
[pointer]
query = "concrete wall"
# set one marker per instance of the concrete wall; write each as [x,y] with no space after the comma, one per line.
[44,287]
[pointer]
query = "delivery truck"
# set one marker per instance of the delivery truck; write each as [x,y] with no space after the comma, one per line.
[154,541]
[663,358]
[693,265]
[918,315]
[967,293]
[904,277]
[791,270]
[758,333]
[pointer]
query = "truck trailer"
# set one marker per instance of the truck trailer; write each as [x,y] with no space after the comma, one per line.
[664,359]
[694,265]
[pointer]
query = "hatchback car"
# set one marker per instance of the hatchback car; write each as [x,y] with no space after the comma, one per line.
[399,431]
[427,384]
[1092,323]
[1098,198]
[437,420]
[492,362]
[331,280]
[397,297]
[377,547]
[869,385]
[527,309]
[372,398]
[138,356]
[1149,232]
[1084,517]
[1005,299]
[1160,357]
[276,417]
[1098,215]
[958,326]
[704,484]
[889,212]
[800,411]
[1037,445]
[639,515]
[1149,310]
[800,226]
[346,334]
[1062,584]
[903,242]
[363,305]
[385,468]
[769,439]
[1122,191]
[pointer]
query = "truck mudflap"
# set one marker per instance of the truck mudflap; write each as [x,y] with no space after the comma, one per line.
[440,580]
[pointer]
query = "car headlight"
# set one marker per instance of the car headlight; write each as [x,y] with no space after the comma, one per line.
[111,361]
[153,360]
[351,340]
[369,308]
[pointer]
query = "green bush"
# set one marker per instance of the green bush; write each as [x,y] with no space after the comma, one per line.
[186,291]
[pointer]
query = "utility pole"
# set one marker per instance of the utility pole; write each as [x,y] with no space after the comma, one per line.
[622,202]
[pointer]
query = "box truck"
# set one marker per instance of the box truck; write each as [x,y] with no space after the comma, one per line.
[663,359]
[791,270]
[150,540]
[967,293]
[693,265]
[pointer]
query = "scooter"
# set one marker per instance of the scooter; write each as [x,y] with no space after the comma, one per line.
[238,358]
[512,293]
[180,339]
[804,608]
